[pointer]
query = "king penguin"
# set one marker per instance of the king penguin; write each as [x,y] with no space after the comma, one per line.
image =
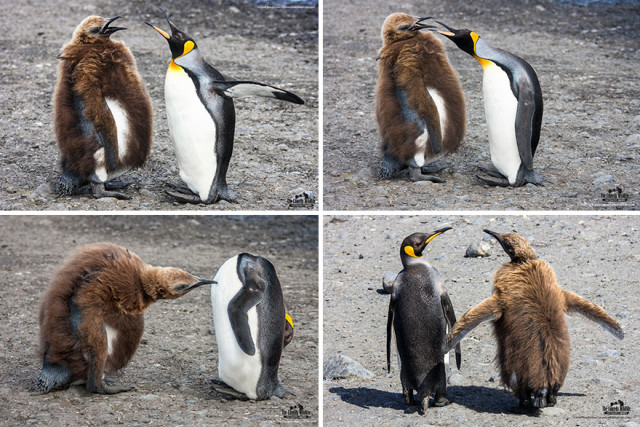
[420,313]
[102,113]
[513,110]
[420,107]
[528,310]
[201,118]
[92,314]
[251,326]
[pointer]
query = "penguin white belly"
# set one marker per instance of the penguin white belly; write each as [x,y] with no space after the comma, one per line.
[500,106]
[122,131]
[236,368]
[421,141]
[193,132]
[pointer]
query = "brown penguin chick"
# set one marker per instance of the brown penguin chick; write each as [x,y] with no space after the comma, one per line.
[420,107]
[528,311]
[91,315]
[102,113]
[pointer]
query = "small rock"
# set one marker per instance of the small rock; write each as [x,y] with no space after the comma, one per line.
[40,194]
[553,411]
[363,177]
[633,139]
[455,379]
[149,397]
[387,281]
[608,353]
[494,377]
[340,366]
[146,193]
[478,249]
[602,179]
[623,314]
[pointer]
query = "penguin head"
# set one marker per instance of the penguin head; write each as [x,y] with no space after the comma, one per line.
[180,42]
[412,246]
[95,29]
[170,283]
[400,26]
[516,246]
[465,39]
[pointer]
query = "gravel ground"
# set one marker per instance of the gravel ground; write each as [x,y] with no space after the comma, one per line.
[177,357]
[595,257]
[276,146]
[587,59]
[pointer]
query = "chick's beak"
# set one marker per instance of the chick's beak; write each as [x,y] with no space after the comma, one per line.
[107,30]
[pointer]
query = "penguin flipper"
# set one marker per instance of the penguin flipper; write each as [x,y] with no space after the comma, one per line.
[245,88]
[391,315]
[486,310]
[450,316]
[250,295]
[593,312]
[524,128]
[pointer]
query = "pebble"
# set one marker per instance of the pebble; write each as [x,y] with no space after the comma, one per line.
[40,194]
[494,377]
[478,249]
[602,179]
[362,178]
[608,353]
[456,379]
[387,281]
[341,366]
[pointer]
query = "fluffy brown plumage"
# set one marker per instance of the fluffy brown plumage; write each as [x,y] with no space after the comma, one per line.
[414,75]
[98,143]
[527,309]
[91,315]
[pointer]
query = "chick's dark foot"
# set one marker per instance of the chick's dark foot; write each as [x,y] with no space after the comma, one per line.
[415,175]
[99,192]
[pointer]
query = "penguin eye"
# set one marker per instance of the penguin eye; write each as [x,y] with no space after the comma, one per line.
[181,287]
[94,30]
[404,27]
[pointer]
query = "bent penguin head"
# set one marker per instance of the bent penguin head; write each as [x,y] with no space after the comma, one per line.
[95,29]
[170,283]
[516,246]
[400,26]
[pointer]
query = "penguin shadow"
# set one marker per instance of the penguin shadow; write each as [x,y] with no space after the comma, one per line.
[492,400]
[367,398]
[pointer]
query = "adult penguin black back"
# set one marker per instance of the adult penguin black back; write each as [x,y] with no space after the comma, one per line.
[102,113]
[513,110]
[420,312]
[251,325]
[201,118]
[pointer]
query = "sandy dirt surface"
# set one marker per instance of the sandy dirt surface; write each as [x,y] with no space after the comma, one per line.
[587,59]
[276,146]
[177,356]
[595,257]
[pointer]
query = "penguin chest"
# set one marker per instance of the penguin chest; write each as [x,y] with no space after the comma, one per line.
[236,368]
[193,131]
[500,106]
[121,120]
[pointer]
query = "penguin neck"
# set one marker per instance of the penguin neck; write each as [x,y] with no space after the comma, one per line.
[151,279]
[408,261]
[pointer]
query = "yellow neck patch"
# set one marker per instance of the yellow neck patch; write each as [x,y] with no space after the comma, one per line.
[482,61]
[409,251]
[289,320]
[188,47]
[174,67]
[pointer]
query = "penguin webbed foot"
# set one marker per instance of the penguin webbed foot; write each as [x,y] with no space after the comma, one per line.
[117,185]
[105,388]
[416,174]
[99,191]
[220,387]
[283,393]
[532,177]
[184,198]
